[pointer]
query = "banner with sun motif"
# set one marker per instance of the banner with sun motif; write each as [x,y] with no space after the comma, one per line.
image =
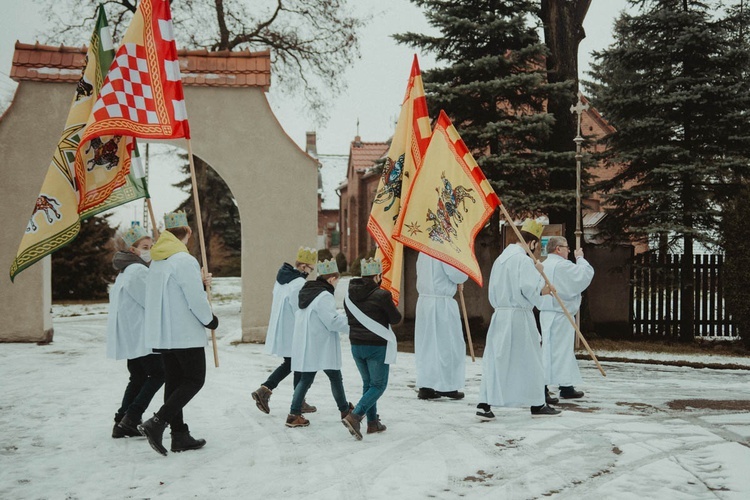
[449,202]
[142,96]
[404,158]
[55,219]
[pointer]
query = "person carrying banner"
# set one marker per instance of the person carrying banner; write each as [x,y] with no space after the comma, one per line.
[316,345]
[289,281]
[370,311]
[512,372]
[126,337]
[177,314]
[439,347]
[558,335]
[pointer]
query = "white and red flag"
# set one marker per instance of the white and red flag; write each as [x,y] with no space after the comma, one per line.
[141,96]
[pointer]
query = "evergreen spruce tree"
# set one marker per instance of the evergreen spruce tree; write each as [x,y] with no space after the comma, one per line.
[492,83]
[83,270]
[220,216]
[672,84]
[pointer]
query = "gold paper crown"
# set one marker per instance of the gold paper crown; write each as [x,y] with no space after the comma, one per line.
[533,227]
[307,256]
[175,219]
[134,234]
[370,267]
[327,267]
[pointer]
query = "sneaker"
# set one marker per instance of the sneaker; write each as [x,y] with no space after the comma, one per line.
[183,441]
[261,397]
[296,421]
[153,429]
[347,411]
[128,427]
[427,393]
[485,412]
[352,422]
[451,394]
[544,411]
[549,398]
[570,392]
[306,408]
[375,426]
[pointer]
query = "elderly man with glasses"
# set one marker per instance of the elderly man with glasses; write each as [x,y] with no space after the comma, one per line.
[558,335]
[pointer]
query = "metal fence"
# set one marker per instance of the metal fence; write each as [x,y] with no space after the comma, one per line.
[655,297]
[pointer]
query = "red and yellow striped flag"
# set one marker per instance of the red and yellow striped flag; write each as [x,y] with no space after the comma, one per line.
[404,158]
[449,202]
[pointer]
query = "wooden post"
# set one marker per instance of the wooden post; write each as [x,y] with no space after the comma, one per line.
[466,323]
[554,293]
[199,221]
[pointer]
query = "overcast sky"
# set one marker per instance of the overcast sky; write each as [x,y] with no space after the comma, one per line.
[376,81]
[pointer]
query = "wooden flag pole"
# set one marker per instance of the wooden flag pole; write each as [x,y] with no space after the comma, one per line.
[466,323]
[554,292]
[199,221]
[153,219]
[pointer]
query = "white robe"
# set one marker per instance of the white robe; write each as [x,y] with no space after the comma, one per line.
[439,346]
[317,345]
[558,335]
[126,337]
[176,304]
[512,373]
[281,324]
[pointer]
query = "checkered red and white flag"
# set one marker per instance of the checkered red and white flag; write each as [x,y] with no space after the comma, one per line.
[141,96]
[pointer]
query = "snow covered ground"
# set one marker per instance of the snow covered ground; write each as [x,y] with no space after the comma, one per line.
[644,431]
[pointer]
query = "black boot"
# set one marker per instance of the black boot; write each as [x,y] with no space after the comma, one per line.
[153,429]
[549,398]
[427,393]
[451,394]
[570,392]
[129,426]
[183,441]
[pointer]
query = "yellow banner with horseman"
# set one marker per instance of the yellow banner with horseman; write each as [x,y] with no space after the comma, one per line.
[449,202]
[55,218]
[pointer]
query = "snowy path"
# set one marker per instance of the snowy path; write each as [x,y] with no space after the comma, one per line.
[622,441]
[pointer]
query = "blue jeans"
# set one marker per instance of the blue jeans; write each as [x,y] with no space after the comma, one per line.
[370,360]
[280,374]
[306,380]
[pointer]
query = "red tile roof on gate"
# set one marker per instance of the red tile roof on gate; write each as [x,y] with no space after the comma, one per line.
[45,63]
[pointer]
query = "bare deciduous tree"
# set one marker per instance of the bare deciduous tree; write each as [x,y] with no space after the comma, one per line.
[312,42]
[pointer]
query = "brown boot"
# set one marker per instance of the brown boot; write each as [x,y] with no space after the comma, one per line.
[375,426]
[306,408]
[261,397]
[296,421]
[347,411]
[352,422]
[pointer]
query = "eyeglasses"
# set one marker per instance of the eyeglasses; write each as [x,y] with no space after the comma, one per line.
[564,246]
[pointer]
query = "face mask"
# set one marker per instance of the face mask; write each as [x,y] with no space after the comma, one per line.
[145,256]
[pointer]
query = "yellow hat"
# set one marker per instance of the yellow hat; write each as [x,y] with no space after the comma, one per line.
[307,256]
[533,227]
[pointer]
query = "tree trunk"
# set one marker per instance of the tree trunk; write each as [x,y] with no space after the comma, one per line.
[563,32]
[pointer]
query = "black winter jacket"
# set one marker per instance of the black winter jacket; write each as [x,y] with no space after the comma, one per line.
[311,289]
[375,303]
